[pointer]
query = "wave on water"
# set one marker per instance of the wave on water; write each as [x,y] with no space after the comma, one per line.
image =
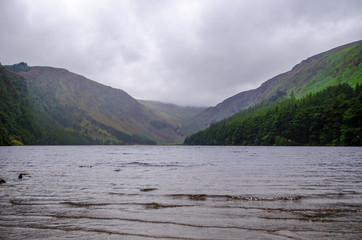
[203,197]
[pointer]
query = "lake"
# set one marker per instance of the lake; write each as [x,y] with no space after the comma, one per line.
[180,192]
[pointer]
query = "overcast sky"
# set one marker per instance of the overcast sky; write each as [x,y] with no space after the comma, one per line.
[191,52]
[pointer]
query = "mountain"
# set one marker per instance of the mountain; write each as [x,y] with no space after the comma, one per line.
[339,65]
[66,108]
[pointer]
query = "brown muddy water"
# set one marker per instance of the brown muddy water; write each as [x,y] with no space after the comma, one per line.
[180,192]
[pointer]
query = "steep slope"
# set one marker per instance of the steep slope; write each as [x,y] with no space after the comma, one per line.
[339,65]
[81,106]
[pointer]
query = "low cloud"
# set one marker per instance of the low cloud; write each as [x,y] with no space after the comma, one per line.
[185,52]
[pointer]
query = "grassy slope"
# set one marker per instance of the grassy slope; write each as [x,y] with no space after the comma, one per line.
[344,66]
[339,65]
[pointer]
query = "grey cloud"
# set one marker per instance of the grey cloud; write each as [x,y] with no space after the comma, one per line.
[245,43]
[186,52]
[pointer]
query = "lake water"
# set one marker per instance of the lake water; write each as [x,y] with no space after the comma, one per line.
[180,192]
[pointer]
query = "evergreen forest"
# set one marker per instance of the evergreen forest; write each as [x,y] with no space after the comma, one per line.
[330,117]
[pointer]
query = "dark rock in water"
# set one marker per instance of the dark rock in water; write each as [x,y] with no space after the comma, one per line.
[21,175]
[2,181]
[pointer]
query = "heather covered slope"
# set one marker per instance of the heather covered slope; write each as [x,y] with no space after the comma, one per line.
[74,105]
[339,65]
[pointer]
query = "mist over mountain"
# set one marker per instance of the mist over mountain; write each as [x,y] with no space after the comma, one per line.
[178,115]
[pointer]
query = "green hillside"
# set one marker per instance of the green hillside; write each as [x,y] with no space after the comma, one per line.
[336,66]
[340,65]
[330,117]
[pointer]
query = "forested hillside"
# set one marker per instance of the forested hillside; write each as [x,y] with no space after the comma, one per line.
[330,117]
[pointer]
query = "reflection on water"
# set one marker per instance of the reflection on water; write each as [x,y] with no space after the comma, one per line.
[177,192]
